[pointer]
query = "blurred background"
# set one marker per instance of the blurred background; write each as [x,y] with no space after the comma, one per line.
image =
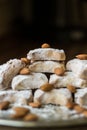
[26,24]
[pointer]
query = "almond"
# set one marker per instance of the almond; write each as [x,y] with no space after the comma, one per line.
[78,108]
[4,105]
[71,88]
[45,45]
[85,113]
[25,60]
[59,71]
[46,87]
[24,71]
[70,105]
[30,117]
[19,112]
[82,56]
[35,104]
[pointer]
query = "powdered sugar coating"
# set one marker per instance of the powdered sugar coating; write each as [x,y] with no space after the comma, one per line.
[31,81]
[45,66]
[69,78]
[79,67]
[16,97]
[47,113]
[6,114]
[8,71]
[81,97]
[54,113]
[46,54]
[55,96]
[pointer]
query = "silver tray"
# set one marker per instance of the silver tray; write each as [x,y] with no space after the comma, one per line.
[59,123]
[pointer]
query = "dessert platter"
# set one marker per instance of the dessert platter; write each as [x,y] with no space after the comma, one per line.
[42,89]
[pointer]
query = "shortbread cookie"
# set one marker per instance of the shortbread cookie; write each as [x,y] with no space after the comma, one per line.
[79,67]
[81,97]
[16,97]
[69,78]
[45,66]
[55,96]
[31,81]
[46,54]
[8,71]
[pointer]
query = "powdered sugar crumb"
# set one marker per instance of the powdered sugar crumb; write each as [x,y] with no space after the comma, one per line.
[53,113]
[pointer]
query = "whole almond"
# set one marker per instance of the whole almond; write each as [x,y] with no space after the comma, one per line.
[30,117]
[85,113]
[46,87]
[19,112]
[59,71]
[4,105]
[24,71]
[35,104]
[70,105]
[82,56]
[78,108]
[71,88]
[25,60]
[45,45]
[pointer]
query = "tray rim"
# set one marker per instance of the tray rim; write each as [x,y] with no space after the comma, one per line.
[58,123]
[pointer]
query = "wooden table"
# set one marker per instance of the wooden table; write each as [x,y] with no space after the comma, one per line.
[46,128]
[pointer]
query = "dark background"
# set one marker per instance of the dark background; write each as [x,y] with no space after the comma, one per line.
[26,24]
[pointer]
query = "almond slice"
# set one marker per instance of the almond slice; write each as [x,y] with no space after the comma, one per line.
[82,56]
[4,105]
[59,71]
[35,104]
[71,88]
[78,108]
[70,105]
[45,45]
[25,60]
[19,112]
[24,71]
[30,117]
[46,87]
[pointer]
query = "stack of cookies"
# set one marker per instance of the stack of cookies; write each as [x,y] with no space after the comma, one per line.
[43,61]
[78,67]
[48,61]
[43,78]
